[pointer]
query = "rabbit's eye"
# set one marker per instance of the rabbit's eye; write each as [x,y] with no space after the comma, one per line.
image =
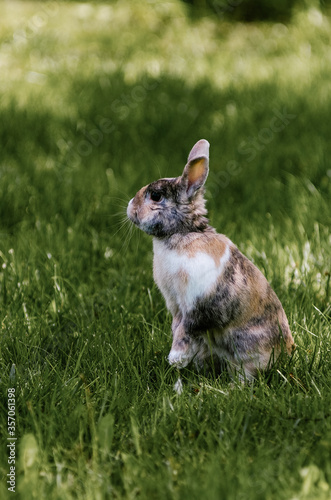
[156,196]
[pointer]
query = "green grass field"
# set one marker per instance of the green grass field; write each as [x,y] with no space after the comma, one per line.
[96,101]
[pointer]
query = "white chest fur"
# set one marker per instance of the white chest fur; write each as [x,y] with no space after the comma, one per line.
[183,279]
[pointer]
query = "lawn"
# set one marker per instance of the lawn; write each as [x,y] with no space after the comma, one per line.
[96,100]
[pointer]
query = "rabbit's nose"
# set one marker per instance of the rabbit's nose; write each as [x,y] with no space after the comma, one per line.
[129,208]
[131,212]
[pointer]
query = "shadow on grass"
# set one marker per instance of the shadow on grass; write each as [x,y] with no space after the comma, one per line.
[269,148]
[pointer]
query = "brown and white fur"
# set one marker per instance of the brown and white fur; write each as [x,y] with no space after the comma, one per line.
[223,308]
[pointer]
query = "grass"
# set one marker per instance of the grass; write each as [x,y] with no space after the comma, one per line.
[97,100]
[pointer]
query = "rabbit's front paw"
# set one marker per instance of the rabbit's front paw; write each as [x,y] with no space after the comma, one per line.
[178,358]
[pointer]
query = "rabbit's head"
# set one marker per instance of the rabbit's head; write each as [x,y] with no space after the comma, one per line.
[174,205]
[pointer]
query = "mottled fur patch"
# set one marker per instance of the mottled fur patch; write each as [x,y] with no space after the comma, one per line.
[173,214]
[182,279]
[211,243]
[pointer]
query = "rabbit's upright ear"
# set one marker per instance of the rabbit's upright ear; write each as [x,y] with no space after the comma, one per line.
[196,170]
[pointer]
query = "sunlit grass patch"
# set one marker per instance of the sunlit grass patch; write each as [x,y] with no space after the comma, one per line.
[52,39]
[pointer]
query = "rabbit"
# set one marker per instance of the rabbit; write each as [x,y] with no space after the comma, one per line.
[224,310]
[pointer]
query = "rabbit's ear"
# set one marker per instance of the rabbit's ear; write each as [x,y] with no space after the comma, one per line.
[196,170]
